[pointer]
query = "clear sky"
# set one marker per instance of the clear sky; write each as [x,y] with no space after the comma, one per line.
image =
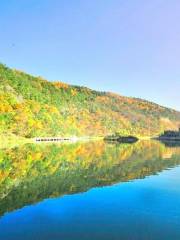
[131,47]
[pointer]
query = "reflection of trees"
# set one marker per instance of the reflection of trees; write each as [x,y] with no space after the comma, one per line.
[171,143]
[33,172]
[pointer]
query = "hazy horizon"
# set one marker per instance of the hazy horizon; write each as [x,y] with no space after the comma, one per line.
[127,47]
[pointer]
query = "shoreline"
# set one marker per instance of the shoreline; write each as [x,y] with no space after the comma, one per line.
[11,140]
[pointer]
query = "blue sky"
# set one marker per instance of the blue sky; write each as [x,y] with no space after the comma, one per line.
[131,47]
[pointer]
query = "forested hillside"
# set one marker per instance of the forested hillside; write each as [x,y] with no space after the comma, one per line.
[31,106]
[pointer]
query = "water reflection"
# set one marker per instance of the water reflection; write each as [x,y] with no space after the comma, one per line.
[171,143]
[31,173]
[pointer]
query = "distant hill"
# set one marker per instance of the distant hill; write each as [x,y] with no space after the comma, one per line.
[31,106]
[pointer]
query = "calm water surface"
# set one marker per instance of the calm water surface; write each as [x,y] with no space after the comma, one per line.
[92,190]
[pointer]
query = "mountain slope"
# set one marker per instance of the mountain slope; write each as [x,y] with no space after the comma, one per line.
[31,106]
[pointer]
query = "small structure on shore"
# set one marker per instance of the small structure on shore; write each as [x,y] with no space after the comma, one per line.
[55,139]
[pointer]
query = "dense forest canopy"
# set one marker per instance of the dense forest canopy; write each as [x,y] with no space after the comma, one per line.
[31,106]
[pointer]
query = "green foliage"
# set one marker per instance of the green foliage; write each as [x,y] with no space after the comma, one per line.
[31,106]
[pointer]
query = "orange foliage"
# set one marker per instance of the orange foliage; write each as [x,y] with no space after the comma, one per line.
[61,85]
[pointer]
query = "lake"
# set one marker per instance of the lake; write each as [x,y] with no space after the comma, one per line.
[91,190]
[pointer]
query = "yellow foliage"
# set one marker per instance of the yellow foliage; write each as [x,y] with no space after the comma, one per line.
[73,92]
[5,108]
[53,109]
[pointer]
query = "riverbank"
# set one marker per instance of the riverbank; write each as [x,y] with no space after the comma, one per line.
[170,135]
[173,139]
[121,139]
[12,140]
